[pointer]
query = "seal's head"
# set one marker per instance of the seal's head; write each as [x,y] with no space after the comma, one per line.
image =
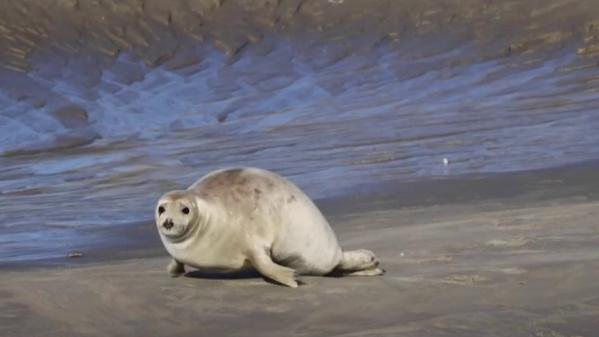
[177,215]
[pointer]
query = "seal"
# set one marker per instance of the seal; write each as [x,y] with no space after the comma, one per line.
[241,218]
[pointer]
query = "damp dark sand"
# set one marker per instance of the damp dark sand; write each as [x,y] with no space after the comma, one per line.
[510,255]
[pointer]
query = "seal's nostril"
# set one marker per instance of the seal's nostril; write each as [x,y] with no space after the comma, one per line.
[168,224]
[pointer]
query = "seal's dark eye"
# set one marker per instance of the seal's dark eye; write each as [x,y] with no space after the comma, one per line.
[185,210]
[160,210]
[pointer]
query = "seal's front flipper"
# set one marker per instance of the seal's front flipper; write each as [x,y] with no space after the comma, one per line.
[175,268]
[263,263]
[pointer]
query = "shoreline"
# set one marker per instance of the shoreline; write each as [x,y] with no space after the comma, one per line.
[501,191]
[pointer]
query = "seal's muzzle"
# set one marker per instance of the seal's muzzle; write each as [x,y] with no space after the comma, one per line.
[168,223]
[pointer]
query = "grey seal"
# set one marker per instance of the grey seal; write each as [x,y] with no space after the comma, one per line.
[242,218]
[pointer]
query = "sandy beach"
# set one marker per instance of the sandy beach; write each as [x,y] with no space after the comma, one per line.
[456,139]
[517,261]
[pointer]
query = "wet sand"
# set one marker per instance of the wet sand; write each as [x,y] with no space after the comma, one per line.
[519,259]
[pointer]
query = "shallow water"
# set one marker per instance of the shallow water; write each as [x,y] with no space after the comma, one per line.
[105,105]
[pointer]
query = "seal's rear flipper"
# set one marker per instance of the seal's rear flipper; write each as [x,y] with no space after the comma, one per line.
[358,263]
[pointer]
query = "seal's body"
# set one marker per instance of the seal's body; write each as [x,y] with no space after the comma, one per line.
[242,218]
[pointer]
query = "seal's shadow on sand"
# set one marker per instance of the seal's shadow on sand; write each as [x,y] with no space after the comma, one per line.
[241,275]
[216,275]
